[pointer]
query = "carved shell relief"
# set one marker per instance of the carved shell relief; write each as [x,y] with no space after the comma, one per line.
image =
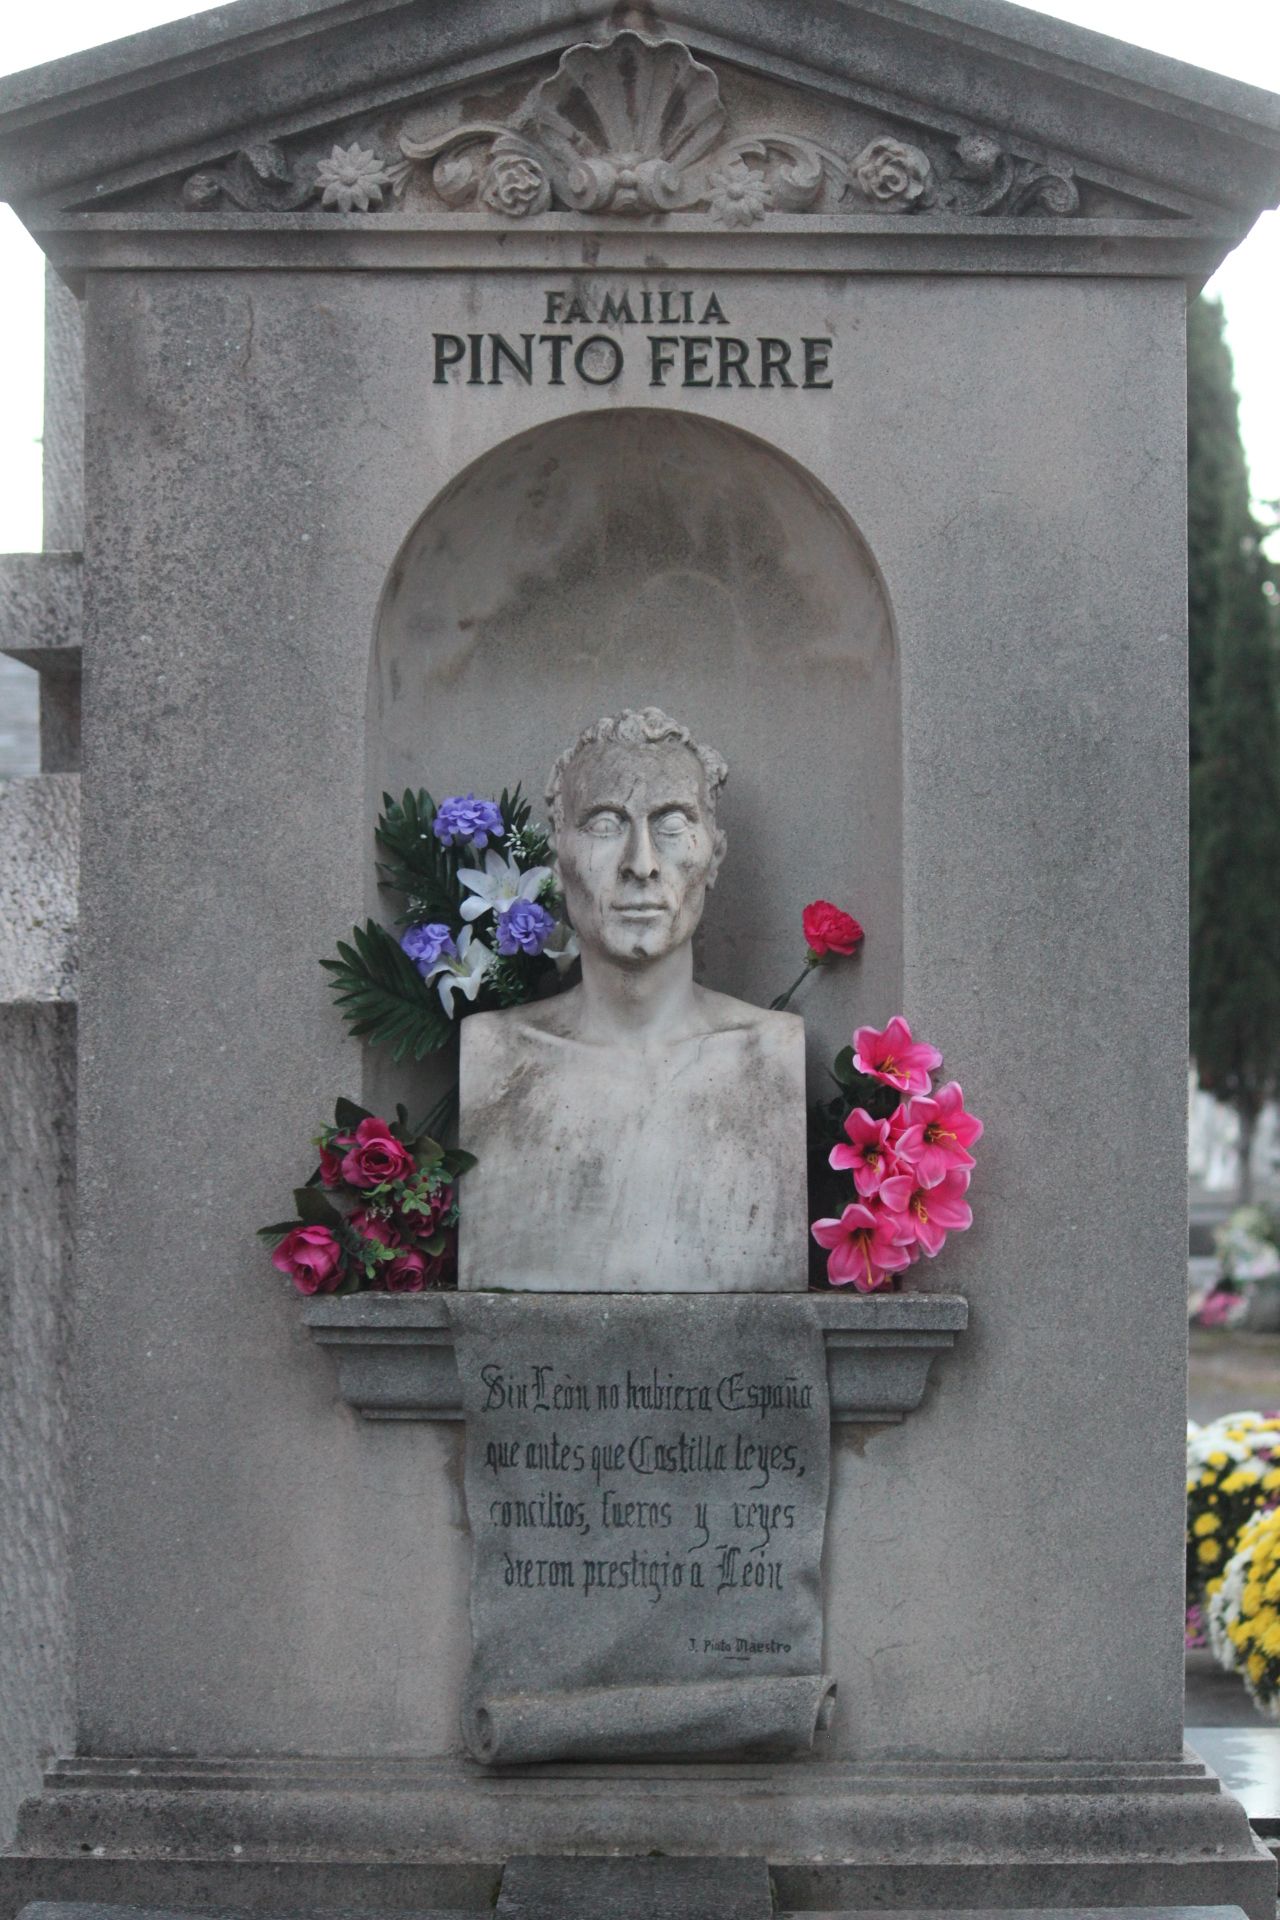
[636,126]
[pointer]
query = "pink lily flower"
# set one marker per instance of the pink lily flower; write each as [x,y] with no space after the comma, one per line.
[871,1154]
[937,1134]
[929,1214]
[894,1058]
[864,1246]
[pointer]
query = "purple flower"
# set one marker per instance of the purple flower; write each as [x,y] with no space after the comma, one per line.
[466,818]
[425,945]
[524,927]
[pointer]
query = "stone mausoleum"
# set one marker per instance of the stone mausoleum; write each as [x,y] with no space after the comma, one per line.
[454,374]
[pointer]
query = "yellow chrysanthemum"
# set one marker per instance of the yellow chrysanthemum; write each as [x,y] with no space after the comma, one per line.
[1255,1665]
[1271,1479]
[1215,1585]
[1206,1523]
[1208,1553]
[1217,1458]
[1242,1477]
[1237,1632]
[1251,1598]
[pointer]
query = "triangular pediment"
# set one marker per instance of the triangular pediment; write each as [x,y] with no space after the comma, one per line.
[710,115]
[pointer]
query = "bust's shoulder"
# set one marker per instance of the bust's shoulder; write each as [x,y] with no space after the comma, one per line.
[775,1031]
[507,1026]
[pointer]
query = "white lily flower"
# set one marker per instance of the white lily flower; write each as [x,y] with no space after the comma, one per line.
[562,947]
[462,972]
[497,884]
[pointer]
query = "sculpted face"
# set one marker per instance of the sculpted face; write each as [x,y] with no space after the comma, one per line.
[636,849]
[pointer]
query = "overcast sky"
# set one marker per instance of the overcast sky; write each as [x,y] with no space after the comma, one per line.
[1240,37]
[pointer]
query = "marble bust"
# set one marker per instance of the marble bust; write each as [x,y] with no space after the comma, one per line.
[638,1133]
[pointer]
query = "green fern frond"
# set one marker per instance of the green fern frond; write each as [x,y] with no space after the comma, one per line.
[384,998]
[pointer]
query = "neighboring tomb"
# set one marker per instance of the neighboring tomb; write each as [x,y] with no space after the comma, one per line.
[640,1133]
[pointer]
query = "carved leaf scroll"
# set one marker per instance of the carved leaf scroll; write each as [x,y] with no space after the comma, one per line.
[636,126]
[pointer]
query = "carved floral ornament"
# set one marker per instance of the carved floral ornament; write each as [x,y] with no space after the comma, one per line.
[636,126]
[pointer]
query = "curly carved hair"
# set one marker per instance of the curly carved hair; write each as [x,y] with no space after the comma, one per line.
[641,727]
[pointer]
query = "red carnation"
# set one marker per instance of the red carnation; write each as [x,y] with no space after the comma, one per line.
[828,930]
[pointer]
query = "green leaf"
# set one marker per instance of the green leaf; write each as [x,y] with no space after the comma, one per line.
[457,1162]
[414,863]
[384,998]
[347,1115]
[427,1152]
[436,1244]
[275,1234]
[843,1069]
[314,1210]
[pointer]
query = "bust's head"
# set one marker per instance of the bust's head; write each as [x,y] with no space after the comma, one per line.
[633,814]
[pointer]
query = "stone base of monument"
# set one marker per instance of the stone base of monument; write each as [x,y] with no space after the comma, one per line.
[332,1835]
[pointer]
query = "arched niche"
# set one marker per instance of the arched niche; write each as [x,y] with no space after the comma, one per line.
[624,557]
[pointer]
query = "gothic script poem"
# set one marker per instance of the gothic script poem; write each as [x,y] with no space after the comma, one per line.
[647,1485]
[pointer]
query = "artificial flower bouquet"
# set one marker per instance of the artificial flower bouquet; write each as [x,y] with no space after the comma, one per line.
[904,1142]
[480,925]
[378,1215]
[906,1146]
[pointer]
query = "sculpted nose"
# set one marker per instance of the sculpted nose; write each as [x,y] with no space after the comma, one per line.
[639,861]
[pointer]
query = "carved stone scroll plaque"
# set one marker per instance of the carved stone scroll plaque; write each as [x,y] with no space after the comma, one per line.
[646,1481]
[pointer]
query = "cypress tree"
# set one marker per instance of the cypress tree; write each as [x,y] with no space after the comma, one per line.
[1235,744]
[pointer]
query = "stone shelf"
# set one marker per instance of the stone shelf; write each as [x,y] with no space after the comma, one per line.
[395,1359]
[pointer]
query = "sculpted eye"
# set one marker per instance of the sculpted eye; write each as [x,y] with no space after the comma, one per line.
[672,822]
[603,824]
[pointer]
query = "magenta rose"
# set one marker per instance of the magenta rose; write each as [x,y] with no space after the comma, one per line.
[330,1167]
[407,1273]
[375,1226]
[375,1156]
[312,1259]
[437,1204]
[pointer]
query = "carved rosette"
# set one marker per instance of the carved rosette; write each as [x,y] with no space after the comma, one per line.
[636,127]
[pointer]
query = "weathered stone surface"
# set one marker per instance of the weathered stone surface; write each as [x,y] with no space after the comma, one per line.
[39,856]
[645,1179]
[646,1482]
[635,1889]
[383,1833]
[37,1240]
[395,1356]
[40,609]
[1022,978]
[1036,81]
